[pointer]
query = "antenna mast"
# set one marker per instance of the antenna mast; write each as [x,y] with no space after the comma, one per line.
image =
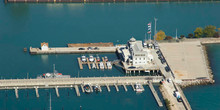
[155,30]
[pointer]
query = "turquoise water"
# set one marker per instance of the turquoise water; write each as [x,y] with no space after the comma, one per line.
[25,25]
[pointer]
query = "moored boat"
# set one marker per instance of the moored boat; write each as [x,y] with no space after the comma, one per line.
[106,58]
[91,58]
[101,65]
[83,58]
[139,88]
[87,88]
[109,65]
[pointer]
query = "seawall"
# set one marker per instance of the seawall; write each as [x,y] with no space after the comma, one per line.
[100,1]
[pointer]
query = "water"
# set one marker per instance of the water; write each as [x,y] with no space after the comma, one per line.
[25,25]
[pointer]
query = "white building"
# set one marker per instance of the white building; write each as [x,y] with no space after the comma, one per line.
[135,54]
[44,46]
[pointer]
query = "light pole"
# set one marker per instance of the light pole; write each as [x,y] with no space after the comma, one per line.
[155,30]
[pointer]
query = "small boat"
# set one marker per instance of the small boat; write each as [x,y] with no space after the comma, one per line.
[87,89]
[93,66]
[106,58]
[96,88]
[109,65]
[91,58]
[98,59]
[83,58]
[101,64]
[139,88]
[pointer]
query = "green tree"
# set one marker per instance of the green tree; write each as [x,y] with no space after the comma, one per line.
[190,35]
[209,31]
[198,32]
[216,35]
[160,35]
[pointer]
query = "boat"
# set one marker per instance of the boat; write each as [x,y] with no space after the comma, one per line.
[91,58]
[96,88]
[87,88]
[139,88]
[109,65]
[106,58]
[101,65]
[98,59]
[55,74]
[93,66]
[83,58]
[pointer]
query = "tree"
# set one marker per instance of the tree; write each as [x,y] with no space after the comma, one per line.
[160,35]
[190,35]
[168,38]
[209,31]
[198,32]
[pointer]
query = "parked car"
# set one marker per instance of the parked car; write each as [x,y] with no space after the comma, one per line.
[81,49]
[96,48]
[89,48]
[167,69]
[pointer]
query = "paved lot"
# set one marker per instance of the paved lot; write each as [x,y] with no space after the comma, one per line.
[186,59]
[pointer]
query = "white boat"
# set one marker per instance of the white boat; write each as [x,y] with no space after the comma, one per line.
[139,88]
[91,58]
[109,65]
[101,65]
[83,58]
[96,88]
[93,66]
[98,59]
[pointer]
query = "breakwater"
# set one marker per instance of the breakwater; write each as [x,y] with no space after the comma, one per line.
[94,1]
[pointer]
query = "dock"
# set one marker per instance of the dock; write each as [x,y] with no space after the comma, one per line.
[88,63]
[16,92]
[57,91]
[80,63]
[155,94]
[116,87]
[96,63]
[82,88]
[36,90]
[125,87]
[132,85]
[100,88]
[77,90]
[104,62]
[107,86]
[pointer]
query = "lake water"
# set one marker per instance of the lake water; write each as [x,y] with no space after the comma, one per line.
[25,25]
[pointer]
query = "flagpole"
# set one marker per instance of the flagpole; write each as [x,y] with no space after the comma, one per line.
[155,31]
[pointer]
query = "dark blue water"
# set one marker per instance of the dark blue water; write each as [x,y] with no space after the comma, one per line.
[25,25]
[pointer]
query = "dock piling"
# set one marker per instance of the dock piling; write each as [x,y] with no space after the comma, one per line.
[125,87]
[116,87]
[36,90]
[57,91]
[107,86]
[77,90]
[16,92]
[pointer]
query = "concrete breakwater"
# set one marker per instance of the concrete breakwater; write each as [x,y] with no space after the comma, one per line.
[92,1]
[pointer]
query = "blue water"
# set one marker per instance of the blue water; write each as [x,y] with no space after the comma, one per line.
[25,25]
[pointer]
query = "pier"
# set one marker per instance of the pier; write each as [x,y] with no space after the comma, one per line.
[155,94]
[75,82]
[71,50]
